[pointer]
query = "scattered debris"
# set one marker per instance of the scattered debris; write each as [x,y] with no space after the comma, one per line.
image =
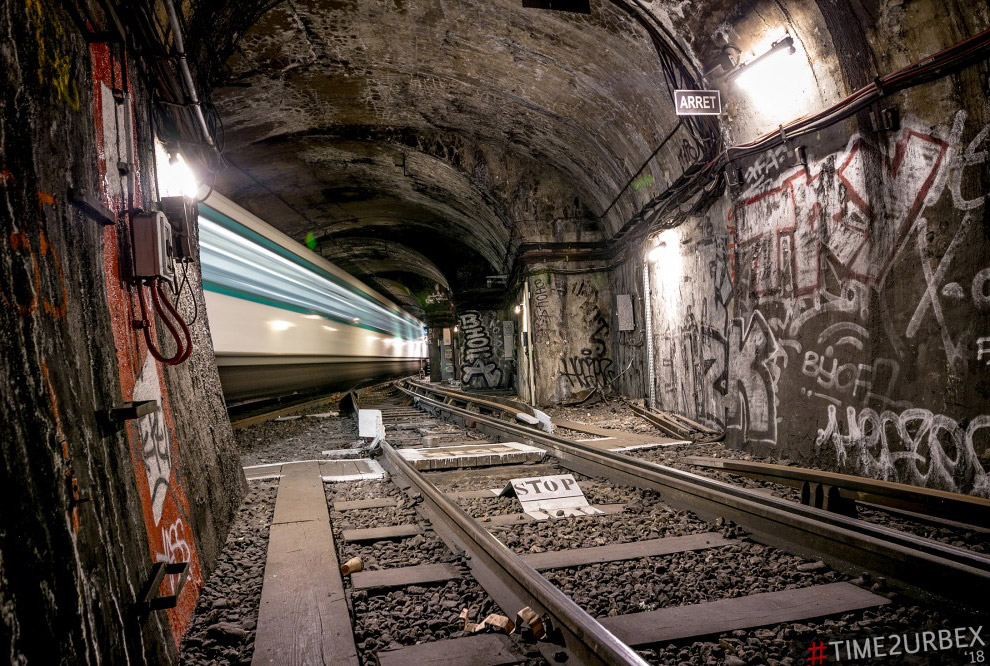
[588,396]
[287,418]
[324,415]
[352,565]
[493,623]
[527,617]
[498,623]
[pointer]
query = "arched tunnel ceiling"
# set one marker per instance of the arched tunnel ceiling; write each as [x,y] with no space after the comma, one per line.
[370,257]
[480,120]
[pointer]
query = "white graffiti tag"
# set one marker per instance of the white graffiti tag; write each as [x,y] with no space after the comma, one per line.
[915,446]
[156,442]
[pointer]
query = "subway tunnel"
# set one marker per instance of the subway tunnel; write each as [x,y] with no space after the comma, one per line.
[722,269]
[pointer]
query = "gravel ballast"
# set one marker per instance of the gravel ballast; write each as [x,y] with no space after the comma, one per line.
[223,625]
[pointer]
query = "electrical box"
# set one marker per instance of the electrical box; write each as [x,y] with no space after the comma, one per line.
[181,213]
[153,248]
[508,339]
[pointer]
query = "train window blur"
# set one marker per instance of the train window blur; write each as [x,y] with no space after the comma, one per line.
[238,262]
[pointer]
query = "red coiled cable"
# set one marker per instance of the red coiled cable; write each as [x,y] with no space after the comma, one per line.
[183,350]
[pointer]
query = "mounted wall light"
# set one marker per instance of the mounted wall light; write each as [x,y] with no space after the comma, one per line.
[517,309]
[657,251]
[779,81]
[743,74]
[175,176]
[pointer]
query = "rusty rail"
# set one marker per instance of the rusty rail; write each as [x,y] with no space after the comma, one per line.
[817,483]
[510,581]
[925,568]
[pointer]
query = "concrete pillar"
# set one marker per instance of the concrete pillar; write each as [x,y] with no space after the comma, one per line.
[435,338]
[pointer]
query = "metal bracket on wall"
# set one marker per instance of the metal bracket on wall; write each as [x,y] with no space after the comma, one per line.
[827,497]
[133,410]
[148,602]
[91,209]
[886,120]
[111,421]
[114,33]
[734,177]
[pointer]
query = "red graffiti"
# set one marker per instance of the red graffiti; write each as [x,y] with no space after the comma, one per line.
[154,448]
[778,230]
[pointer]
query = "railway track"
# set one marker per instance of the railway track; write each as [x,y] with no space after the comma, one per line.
[845,543]
[511,578]
[669,561]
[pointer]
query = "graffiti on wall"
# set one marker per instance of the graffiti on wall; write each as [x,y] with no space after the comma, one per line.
[479,353]
[692,375]
[593,366]
[786,232]
[849,276]
[153,450]
[541,305]
[914,445]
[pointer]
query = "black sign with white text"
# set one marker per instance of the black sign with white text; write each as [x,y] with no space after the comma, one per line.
[697,102]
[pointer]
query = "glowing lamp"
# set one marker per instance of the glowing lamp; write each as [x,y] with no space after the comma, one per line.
[175,176]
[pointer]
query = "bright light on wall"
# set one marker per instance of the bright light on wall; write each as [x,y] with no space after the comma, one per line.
[777,79]
[518,309]
[175,177]
[666,269]
[280,325]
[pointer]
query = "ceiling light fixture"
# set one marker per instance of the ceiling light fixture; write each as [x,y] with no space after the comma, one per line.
[743,75]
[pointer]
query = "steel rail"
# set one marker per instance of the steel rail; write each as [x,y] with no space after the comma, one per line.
[929,501]
[926,569]
[243,422]
[671,425]
[511,582]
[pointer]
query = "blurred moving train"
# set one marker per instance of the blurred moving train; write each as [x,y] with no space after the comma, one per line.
[284,320]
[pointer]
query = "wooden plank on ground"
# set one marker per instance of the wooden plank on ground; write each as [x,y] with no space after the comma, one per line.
[303,617]
[381,533]
[589,429]
[403,576]
[931,501]
[484,493]
[256,472]
[617,440]
[373,503]
[521,518]
[505,472]
[756,610]
[480,650]
[625,551]
[300,494]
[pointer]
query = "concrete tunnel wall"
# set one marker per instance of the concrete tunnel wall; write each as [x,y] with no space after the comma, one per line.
[839,314]
[835,314]
[87,506]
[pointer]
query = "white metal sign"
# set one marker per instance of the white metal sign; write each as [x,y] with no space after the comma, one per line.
[697,102]
[543,496]
[370,425]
